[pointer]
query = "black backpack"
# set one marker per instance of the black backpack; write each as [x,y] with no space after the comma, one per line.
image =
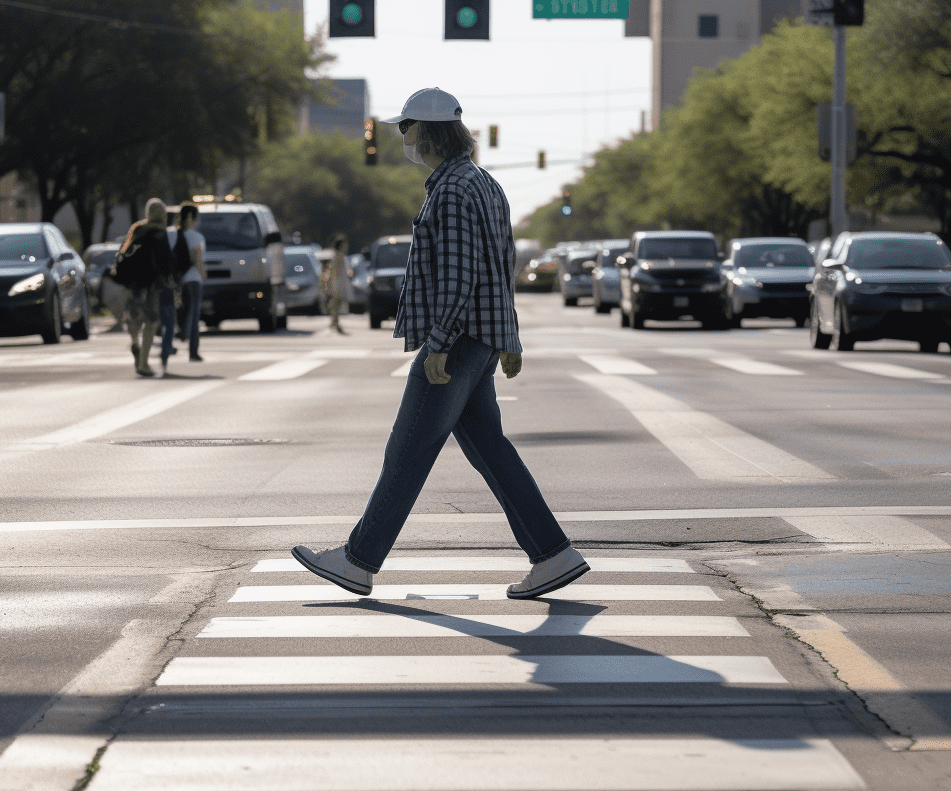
[129,265]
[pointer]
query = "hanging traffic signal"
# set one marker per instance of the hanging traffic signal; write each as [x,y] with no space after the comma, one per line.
[352,18]
[493,137]
[848,12]
[541,160]
[468,19]
[566,203]
[369,136]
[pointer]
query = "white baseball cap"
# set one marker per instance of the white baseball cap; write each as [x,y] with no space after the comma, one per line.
[429,104]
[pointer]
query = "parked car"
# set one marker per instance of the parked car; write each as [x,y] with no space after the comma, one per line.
[574,273]
[42,283]
[671,275]
[541,274]
[98,259]
[882,285]
[302,291]
[605,277]
[768,276]
[358,273]
[388,258]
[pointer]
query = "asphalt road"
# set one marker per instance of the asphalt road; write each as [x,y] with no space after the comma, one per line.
[769,529]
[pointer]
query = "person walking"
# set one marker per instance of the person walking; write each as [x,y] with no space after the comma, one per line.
[152,272]
[337,281]
[457,308]
[188,247]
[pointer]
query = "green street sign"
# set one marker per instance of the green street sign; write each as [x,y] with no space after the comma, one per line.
[580,9]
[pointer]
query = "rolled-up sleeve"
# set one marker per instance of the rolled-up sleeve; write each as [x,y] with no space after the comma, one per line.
[456,268]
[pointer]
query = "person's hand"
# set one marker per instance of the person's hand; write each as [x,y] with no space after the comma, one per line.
[435,367]
[511,364]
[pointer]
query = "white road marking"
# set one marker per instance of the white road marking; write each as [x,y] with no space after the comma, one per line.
[745,365]
[460,563]
[613,364]
[403,371]
[119,417]
[712,449]
[286,369]
[421,763]
[416,520]
[874,532]
[475,626]
[482,592]
[213,671]
[888,369]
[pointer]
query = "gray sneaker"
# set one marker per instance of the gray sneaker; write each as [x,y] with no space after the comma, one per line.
[332,564]
[550,575]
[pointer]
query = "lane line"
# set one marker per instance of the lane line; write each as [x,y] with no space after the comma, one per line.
[455,518]
[888,369]
[613,364]
[114,419]
[204,671]
[745,365]
[480,592]
[709,447]
[286,369]
[377,626]
[459,763]
[458,563]
[881,532]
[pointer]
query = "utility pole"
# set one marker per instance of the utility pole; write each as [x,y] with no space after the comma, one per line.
[838,216]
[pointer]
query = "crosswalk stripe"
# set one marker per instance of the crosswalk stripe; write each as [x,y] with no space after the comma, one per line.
[214,671]
[888,369]
[745,365]
[450,563]
[460,763]
[403,371]
[613,364]
[286,369]
[475,626]
[328,592]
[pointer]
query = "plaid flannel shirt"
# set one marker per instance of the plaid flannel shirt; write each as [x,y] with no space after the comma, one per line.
[461,264]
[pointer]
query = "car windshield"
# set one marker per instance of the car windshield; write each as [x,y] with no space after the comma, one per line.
[754,256]
[677,248]
[297,264]
[230,230]
[898,254]
[582,263]
[609,256]
[391,256]
[19,248]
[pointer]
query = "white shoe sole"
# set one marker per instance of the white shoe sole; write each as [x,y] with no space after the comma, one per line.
[552,585]
[347,585]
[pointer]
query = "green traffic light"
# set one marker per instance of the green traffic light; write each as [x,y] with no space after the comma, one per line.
[352,14]
[466,17]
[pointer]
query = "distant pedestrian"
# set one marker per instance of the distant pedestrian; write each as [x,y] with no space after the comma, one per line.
[188,248]
[457,308]
[147,248]
[337,281]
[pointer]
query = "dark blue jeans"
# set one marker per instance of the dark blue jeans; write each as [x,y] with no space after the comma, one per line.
[167,317]
[191,296]
[467,408]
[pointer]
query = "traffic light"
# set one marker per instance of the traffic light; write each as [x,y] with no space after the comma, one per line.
[493,137]
[566,203]
[369,136]
[467,19]
[352,18]
[848,12]
[541,160]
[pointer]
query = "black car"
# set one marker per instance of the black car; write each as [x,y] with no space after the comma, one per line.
[882,285]
[42,283]
[388,258]
[768,277]
[670,275]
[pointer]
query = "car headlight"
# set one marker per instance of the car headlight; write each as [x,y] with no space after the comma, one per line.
[745,282]
[32,283]
[566,277]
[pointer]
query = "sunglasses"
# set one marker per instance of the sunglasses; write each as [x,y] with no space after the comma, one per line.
[405,125]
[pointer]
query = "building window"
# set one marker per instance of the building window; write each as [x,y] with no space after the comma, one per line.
[709,26]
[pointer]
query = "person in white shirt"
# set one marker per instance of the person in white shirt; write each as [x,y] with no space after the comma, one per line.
[194,275]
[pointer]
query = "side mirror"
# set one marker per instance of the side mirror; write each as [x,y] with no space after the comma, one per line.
[274,237]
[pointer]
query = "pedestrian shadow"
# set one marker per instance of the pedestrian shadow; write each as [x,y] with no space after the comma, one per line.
[190,378]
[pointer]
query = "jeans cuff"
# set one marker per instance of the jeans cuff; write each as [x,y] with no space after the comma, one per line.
[359,563]
[556,551]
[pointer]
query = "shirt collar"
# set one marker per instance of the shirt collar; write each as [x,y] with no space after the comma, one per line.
[444,167]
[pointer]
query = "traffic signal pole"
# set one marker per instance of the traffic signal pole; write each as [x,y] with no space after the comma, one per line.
[837,214]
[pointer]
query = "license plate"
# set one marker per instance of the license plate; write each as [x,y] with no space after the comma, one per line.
[912,305]
[681,302]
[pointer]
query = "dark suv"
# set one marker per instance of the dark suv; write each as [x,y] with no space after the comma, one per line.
[673,275]
[388,258]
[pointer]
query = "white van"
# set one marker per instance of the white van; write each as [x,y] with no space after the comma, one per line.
[244,261]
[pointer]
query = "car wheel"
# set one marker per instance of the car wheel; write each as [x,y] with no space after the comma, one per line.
[817,337]
[929,346]
[571,302]
[636,320]
[731,317]
[599,306]
[281,322]
[842,340]
[800,320]
[376,320]
[54,321]
[625,319]
[79,329]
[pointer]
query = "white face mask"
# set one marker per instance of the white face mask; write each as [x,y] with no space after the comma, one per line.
[412,154]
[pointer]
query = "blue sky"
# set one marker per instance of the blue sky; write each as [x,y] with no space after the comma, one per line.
[569,87]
